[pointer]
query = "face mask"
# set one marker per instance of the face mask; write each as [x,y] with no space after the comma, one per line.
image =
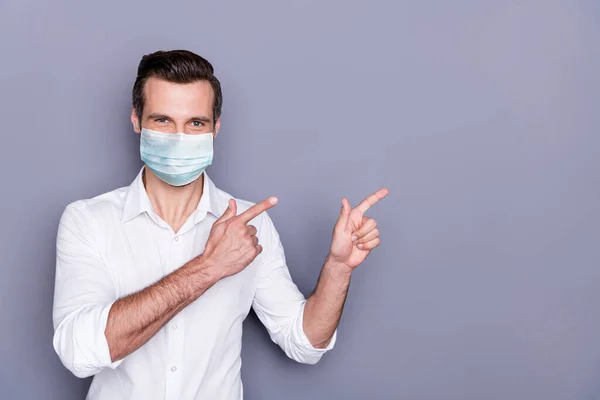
[176,158]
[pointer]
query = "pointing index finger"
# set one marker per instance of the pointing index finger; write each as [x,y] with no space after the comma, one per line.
[256,210]
[372,200]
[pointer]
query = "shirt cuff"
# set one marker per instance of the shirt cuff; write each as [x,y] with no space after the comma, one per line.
[307,349]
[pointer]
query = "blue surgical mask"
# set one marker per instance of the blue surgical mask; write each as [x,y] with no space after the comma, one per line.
[176,158]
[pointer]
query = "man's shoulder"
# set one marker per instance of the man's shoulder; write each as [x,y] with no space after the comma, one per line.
[109,203]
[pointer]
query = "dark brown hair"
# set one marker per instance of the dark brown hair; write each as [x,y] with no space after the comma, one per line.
[177,66]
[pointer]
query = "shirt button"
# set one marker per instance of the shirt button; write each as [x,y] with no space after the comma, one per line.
[173,368]
[177,238]
[174,327]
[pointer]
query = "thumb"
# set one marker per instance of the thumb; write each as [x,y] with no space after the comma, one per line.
[229,213]
[344,213]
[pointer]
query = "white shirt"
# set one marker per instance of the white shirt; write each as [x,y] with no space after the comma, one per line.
[115,244]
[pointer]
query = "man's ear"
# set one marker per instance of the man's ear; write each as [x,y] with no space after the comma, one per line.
[217,127]
[135,121]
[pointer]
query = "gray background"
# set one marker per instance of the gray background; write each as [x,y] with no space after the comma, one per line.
[481,117]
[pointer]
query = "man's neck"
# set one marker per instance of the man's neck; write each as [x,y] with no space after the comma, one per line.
[173,204]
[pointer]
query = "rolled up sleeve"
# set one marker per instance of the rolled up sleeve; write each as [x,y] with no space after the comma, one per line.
[279,304]
[83,295]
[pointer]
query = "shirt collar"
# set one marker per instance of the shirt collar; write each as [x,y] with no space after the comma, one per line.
[210,202]
[138,202]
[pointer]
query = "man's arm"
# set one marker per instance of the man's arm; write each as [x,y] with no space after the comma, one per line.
[323,308]
[354,236]
[306,329]
[231,246]
[134,319]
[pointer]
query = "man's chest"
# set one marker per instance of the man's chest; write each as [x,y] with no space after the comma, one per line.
[139,254]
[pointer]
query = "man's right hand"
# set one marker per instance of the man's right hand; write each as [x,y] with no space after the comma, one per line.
[232,244]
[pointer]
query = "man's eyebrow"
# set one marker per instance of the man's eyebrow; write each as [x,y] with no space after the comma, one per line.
[202,119]
[158,116]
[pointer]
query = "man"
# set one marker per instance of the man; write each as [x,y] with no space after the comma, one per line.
[153,281]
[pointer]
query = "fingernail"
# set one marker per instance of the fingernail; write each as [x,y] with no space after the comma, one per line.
[273,200]
[354,238]
[360,246]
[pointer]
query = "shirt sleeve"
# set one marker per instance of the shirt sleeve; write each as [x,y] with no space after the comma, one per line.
[83,295]
[279,304]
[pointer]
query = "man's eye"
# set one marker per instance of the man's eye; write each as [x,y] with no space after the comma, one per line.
[161,120]
[196,123]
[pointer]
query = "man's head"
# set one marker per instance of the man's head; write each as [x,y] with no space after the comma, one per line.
[176,91]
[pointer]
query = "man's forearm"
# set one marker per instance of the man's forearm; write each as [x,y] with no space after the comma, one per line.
[134,319]
[323,308]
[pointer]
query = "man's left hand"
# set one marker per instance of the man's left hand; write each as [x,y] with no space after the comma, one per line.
[354,235]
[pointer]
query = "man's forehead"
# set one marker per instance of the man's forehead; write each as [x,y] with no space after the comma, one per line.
[161,90]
